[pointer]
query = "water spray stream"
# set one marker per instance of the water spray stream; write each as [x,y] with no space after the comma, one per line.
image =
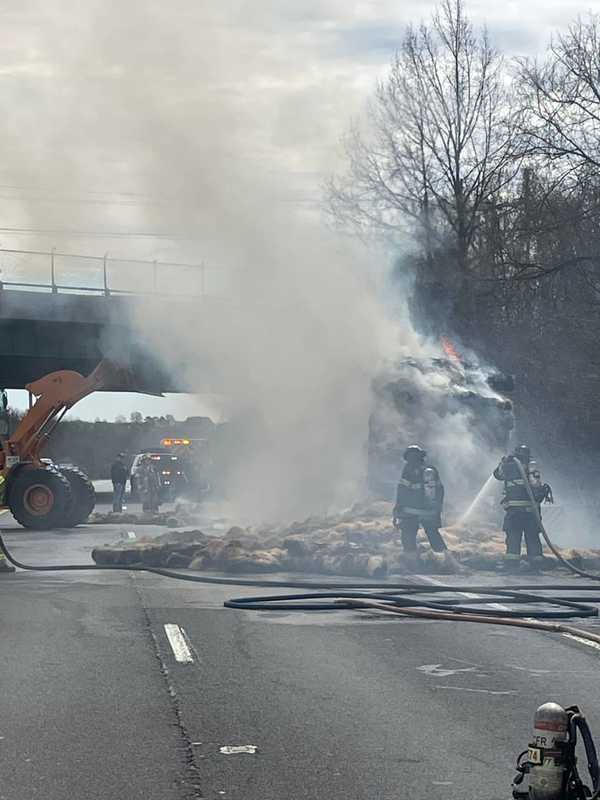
[476,501]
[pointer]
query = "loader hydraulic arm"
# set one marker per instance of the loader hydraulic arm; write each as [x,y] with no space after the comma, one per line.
[55,394]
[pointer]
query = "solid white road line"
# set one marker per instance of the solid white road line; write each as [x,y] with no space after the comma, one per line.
[429,579]
[499,606]
[178,641]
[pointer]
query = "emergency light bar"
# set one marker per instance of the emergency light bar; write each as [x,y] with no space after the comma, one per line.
[169,442]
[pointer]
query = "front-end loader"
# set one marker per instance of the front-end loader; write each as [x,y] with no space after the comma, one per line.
[40,494]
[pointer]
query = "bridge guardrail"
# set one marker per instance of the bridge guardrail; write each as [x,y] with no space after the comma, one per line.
[62,273]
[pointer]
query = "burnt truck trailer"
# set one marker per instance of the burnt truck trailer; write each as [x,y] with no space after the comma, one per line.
[447,405]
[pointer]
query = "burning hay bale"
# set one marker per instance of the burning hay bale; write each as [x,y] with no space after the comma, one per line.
[359,543]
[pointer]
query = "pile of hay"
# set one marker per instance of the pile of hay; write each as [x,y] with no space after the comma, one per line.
[358,543]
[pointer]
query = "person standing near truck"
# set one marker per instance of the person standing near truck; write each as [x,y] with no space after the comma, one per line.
[118,475]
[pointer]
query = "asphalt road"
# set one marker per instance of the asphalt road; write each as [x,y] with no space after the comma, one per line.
[348,706]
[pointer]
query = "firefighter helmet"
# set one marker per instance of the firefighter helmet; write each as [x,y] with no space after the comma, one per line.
[523,453]
[414,452]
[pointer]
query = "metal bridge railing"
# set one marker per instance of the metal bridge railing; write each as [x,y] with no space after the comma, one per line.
[56,272]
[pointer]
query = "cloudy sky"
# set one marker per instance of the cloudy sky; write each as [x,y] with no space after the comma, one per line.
[116,114]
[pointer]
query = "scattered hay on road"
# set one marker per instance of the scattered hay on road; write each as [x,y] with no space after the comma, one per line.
[360,542]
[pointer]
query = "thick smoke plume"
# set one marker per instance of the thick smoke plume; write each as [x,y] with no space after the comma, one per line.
[296,333]
[293,346]
[217,135]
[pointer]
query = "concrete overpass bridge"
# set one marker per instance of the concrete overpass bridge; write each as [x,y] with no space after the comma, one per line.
[47,326]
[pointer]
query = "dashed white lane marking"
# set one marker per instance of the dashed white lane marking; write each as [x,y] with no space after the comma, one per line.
[178,641]
[579,639]
[230,749]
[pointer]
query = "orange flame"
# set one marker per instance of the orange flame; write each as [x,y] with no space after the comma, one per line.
[450,350]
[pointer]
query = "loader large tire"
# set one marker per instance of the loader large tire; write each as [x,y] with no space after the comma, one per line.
[40,497]
[84,496]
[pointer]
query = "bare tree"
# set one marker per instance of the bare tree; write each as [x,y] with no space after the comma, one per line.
[561,100]
[441,140]
[559,135]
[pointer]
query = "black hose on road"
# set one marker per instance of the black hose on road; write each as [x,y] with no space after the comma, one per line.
[415,596]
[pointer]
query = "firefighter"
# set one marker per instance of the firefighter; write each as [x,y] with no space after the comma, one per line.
[149,485]
[419,501]
[520,518]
